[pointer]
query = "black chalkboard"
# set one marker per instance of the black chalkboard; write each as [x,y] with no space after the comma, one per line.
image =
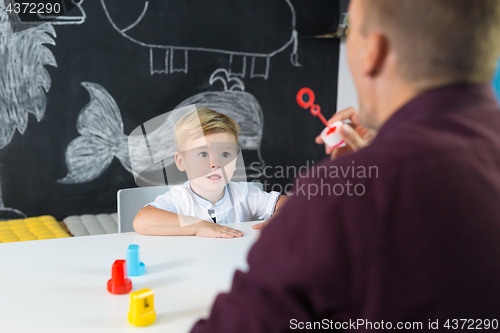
[344,6]
[128,61]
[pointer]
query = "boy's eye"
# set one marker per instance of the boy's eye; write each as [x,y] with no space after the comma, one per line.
[225,154]
[203,154]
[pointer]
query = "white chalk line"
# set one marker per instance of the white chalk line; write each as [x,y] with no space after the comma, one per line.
[293,40]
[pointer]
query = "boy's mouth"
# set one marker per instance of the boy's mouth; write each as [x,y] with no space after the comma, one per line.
[215,177]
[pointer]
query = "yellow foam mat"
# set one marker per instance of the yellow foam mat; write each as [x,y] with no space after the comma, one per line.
[33,228]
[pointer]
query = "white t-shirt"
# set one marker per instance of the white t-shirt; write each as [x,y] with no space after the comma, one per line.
[241,202]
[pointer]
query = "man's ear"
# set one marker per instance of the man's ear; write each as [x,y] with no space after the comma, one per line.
[179,161]
[376,54]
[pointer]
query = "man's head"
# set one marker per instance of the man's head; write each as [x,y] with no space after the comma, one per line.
[420,44]
[207,148]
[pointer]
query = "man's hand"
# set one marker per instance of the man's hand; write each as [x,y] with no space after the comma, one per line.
[281,201]
[355,135]
[213,230]
[260,226]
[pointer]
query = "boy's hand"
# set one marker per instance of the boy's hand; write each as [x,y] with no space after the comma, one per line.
[213,230]
[355,135]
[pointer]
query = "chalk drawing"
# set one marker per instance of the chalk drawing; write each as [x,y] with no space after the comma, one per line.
[101,131]
[152,148]
[167,52]
[101,138]
[234,102]
[67,19]
[23,78]
[158,152]
[9,213]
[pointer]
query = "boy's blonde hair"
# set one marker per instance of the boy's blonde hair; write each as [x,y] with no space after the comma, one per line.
[211,122]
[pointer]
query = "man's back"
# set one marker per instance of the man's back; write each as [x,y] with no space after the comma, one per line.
[413,237]
[429,229]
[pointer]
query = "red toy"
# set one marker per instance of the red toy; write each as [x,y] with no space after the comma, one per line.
[119,283]
[315,108]
[330,134]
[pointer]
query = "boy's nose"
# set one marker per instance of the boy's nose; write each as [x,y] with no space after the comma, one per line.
[214,163]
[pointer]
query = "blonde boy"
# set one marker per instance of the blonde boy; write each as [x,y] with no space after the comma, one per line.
[207,149]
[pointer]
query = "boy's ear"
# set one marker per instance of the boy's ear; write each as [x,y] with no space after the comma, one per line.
[179,161]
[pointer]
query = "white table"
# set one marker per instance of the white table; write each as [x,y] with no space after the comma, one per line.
[59,285]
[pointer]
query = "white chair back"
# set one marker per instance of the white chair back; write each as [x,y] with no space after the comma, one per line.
[131,200]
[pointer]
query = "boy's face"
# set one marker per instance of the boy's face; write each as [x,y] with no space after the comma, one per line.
[209,161]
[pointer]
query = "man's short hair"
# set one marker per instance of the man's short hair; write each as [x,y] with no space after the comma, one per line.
[203,121]
[457,40]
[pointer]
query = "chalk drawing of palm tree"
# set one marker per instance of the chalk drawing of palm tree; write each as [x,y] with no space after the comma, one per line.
[23,80]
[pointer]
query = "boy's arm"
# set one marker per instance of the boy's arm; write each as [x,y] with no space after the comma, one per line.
[281,201]
[158,222]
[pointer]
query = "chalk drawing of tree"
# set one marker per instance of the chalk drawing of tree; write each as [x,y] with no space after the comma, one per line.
[23,79]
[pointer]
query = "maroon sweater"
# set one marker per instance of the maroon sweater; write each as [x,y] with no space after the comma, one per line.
[421,243]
